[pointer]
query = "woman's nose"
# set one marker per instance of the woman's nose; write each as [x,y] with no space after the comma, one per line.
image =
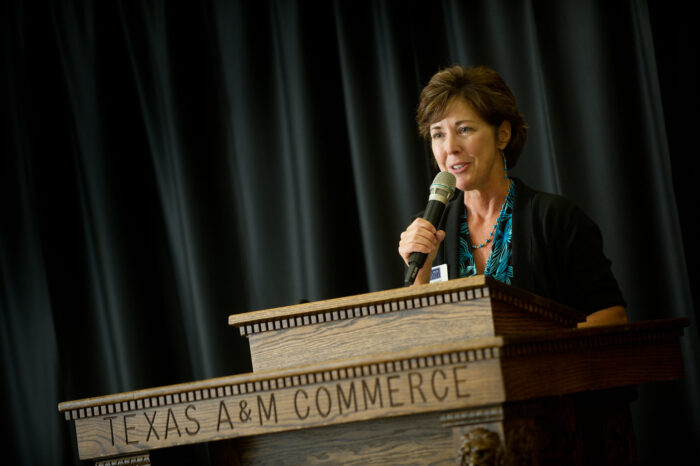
[451,144]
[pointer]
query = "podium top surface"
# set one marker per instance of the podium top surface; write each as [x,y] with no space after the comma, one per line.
[398,299]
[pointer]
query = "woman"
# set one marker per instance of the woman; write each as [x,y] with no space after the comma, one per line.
[496,225]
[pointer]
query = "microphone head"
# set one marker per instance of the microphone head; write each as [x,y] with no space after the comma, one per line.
[443,187]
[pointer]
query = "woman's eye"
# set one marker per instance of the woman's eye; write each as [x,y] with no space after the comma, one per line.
[464,129]
[436,135]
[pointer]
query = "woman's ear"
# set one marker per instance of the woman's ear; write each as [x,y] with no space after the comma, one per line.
[503,134]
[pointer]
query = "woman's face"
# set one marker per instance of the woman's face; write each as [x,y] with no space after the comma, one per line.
[468,147]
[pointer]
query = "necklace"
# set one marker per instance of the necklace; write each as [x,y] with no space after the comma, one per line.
[498,220]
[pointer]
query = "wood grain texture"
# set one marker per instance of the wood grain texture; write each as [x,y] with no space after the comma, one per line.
[430,315]
[577,360]
[351,302]
[593,427]
[311,398]
[400,299]
[409,440]
[474,374]
[136,460]
[444,323]
[360,366]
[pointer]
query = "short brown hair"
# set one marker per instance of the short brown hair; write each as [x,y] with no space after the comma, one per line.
[485,90]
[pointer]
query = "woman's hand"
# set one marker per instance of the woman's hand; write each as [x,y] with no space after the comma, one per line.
[421,236]
[616,315]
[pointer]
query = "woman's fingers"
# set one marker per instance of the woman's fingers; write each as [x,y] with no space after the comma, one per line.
[420,236]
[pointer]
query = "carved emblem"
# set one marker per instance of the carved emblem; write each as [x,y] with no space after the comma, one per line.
[481,447]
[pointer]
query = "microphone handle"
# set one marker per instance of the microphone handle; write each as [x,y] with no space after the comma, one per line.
[433,213]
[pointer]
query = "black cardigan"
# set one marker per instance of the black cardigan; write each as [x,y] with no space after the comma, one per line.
[557,250]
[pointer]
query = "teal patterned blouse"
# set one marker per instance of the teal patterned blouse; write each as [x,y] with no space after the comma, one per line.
[499,264]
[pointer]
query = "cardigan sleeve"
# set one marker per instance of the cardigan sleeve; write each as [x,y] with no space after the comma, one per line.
[568,262]
[589,283]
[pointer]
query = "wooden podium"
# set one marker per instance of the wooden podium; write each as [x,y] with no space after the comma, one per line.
[468,371]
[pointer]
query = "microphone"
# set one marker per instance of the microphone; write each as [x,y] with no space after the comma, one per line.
[441,191]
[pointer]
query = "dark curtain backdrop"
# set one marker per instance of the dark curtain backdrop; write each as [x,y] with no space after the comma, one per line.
[167,164]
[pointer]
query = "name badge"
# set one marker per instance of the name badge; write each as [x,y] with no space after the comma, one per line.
[438,273]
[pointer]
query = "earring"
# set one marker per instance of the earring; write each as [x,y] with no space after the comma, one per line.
[505,165]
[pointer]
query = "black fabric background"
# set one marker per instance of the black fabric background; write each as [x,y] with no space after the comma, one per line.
[167,164]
